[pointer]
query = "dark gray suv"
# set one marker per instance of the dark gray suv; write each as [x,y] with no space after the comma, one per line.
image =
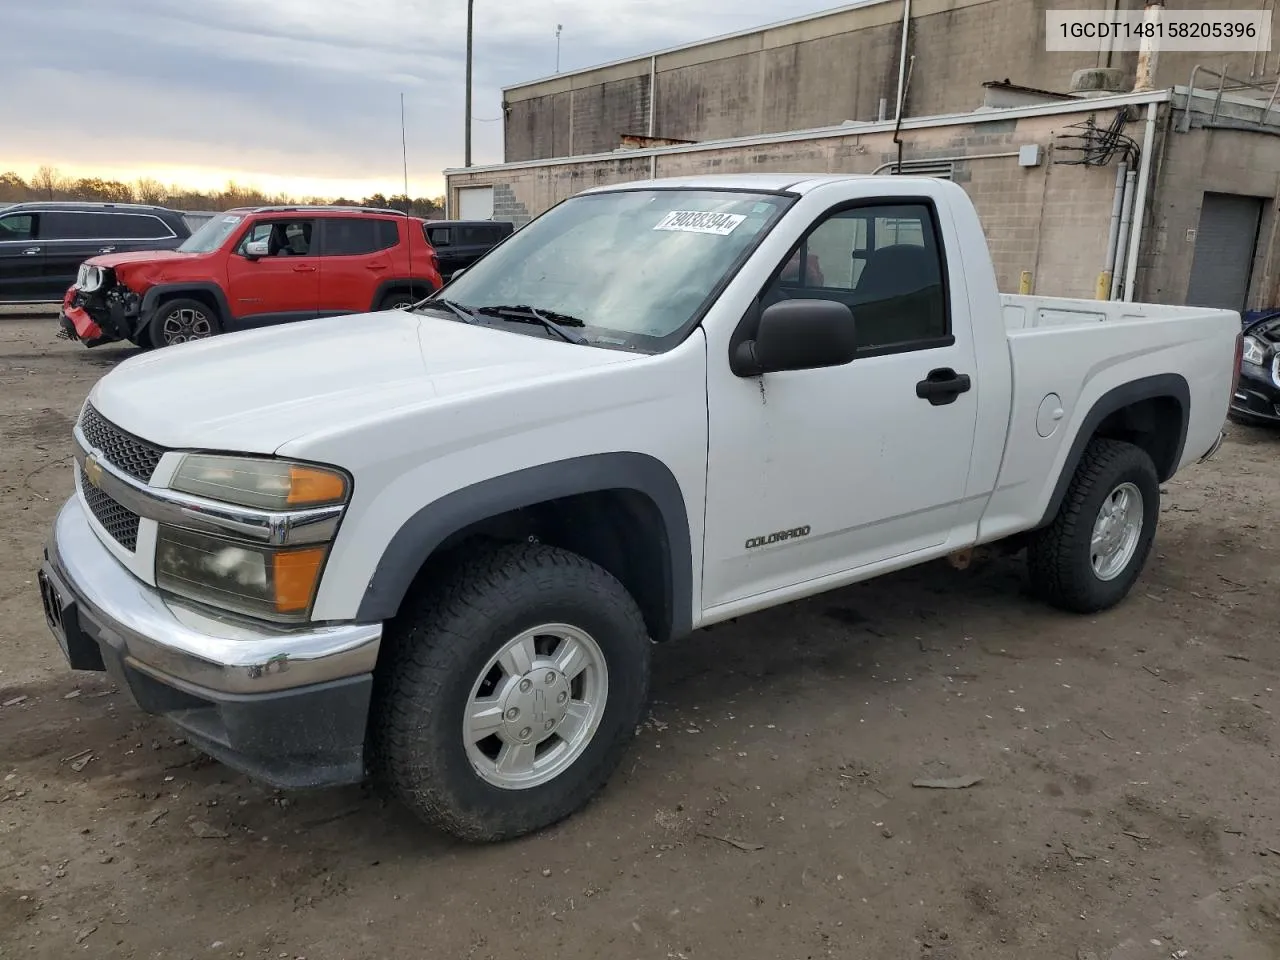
[460,243]
[42,244]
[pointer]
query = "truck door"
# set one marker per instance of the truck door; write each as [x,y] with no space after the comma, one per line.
[813,473]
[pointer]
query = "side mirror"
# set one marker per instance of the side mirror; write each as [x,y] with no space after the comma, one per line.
[256,249]
[798,335]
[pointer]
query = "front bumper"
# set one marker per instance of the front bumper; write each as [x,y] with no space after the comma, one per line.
[1256,397]
[287,707]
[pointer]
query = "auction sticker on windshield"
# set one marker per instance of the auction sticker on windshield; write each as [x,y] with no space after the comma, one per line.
[695,221]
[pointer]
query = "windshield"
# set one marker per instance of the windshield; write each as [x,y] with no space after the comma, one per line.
[210,236]
[627,269]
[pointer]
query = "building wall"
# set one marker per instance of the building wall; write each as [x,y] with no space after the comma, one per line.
[825,71]
[1213,161]
[1051,220]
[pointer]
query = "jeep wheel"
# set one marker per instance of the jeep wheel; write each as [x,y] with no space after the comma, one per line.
[180,321]
[401,300]
[1090,556]
[506,697]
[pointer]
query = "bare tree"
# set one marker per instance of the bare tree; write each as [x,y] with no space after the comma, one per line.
[48,183]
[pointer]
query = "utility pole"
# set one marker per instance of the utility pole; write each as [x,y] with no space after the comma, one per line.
[471,6]
[559,27]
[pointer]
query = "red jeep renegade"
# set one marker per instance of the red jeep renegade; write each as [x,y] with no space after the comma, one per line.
[250,268]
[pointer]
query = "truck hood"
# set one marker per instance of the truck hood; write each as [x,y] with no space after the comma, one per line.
[252,392]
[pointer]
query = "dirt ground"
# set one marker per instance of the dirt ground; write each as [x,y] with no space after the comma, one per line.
[1128,806]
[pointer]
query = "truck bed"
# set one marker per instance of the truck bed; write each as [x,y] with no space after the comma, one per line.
[1067,354]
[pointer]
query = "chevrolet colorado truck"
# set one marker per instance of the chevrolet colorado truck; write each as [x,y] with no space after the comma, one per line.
[434,547]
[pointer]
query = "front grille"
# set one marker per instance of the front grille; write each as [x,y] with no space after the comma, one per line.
[117,520]
[122,450]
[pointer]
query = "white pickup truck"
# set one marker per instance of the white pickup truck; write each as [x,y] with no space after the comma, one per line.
[434,546]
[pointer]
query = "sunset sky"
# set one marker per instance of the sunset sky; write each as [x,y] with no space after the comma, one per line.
[302,96]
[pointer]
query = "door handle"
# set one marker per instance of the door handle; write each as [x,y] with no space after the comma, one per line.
[105,249]
[376,267]
[300,268]
[30,251]
[942,386]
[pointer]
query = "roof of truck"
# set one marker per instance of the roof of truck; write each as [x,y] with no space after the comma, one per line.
[764,182]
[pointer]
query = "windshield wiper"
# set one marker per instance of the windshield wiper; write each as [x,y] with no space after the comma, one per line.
[465,316]
[523,313]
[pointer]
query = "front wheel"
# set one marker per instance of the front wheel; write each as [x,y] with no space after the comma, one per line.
[181,321]
[507,696]
[1091,555]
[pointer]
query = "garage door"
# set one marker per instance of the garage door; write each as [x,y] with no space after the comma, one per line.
[1226,241]
[475,203]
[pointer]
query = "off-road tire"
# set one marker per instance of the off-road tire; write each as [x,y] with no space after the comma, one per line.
[1058,556]
[433,653]
[156,328]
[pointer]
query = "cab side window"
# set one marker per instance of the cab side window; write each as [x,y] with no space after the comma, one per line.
[884,263]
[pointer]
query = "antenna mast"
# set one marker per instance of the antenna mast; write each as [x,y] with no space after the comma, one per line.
[471,5]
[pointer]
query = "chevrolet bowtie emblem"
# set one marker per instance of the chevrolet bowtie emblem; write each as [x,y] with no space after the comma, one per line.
[93,470]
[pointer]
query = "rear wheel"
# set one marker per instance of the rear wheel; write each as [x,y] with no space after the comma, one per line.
[506,696]
[1091,555]
[181,321]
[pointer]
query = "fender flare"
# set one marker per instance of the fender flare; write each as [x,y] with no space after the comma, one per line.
[166,291]
[427,529]
[413,283]
[1172,386]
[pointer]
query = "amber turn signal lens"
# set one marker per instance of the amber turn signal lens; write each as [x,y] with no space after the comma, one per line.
[295,574]
[309,485]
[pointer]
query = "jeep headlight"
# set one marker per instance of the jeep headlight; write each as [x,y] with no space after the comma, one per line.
[91,279]
[271,580]
[1254,352]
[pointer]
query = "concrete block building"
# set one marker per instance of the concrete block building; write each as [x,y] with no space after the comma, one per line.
[1046,144]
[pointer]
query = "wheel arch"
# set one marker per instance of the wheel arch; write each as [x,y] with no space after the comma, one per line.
[623,510]
[1152,413]
[416,286]
[205,291]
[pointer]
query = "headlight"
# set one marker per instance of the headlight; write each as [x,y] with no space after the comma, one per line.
[1254,352]
[93,277]
[237,573]
[232,575]
[264,484]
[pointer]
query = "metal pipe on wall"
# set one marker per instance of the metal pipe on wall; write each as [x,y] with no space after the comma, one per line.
[956,159]
[1117,206]
[1149,47]
[653,92]
[902,57]
[1140,203]
[1122,239]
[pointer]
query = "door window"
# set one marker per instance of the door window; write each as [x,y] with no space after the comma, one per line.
[17,227]
[349,236]
[285,238]
[85,225]
[439,236]
[883,262]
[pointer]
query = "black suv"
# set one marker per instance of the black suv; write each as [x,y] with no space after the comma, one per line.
[460,243]
[42,244]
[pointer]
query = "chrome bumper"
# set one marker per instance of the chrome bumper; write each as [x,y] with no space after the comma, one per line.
[170,641]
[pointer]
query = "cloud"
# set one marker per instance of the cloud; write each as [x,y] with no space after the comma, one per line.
[305,91]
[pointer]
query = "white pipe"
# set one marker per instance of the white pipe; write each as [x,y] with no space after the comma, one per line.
[972,156]
[902,56]
[653,93]
[1126,220]
[1140,204]
[1117,202]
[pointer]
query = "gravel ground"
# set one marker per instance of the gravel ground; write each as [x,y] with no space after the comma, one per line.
[1127,807]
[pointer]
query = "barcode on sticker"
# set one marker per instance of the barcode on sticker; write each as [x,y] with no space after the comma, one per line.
[694,221]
